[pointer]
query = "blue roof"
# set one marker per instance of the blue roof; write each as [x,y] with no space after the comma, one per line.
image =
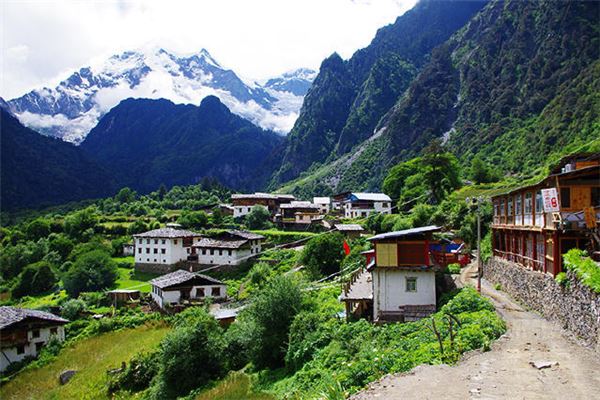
[406,232]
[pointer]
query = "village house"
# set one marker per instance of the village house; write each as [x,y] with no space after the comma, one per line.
[299,212]
[361,205]
[536,224]
[228,248]
[398,283]
[24,332]
[351,231]
[128,249]
[324,204]
[243,203]
[159,250]
[181,286]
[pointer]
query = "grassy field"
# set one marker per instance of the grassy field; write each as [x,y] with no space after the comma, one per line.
[235,386]
[44,300]
[91,358]
[132,279]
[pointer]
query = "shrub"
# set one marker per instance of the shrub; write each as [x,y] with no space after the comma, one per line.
[323,254]
[258,218]
[584,268]
[138,374]
[562,279]
[35,279]
[91,272]
[37,229]
[72,309]
[273,311]
[454,268]
[468,300]
[259,274]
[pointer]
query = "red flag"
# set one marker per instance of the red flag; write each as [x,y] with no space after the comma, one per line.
[346,248]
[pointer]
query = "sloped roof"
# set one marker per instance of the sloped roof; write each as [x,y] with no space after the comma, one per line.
[12,315]
[371,196]
[349,228]
[220,244]
[245,234]
[321,200]
[267,196]
[167,233]
[181,276]
[300,204]
[406,232]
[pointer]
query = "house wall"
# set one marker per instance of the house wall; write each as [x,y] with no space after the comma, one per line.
[378,206]
[243,210]
[221,256]
[389,289]
[165,251]
[9,354]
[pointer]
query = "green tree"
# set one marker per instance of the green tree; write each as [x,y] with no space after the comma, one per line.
[193,219]
[72,309]
[440,171]
[77,223]
[138,226]
[258,218]
[272,312]
[125,195]
[162,191]
[35,279]
[60,244]
[190,357]
[37,229]
[481,172]
[90,272]
[394,182]
[323,254]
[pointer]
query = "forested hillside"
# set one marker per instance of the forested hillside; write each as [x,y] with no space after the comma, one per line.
[146,143]
[39,171]
[517,85]
[348,98]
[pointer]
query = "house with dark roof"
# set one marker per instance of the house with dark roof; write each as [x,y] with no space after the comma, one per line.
[181,286]
[351,231]
[361,205]
[243,203]
[398,283]
[24,332]
[227,248]
[159,250]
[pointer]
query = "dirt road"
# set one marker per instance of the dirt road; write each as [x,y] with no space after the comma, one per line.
[504,372]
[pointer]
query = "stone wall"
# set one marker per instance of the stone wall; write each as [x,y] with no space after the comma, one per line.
[574,306]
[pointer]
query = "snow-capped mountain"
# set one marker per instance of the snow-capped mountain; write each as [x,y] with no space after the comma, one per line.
[73,108]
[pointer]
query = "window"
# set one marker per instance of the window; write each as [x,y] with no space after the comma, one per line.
[35,333]
[147,250]
[215,292]
[518,204]
[199,292]
[203,252]
[147,241]
[212,252]
[528,203]
[140,250]
[140,241]
[175,241]
[53,331]
[411,284]
[155,241]
[510,207]
[38,346]
[20,349]
[163,251]
[147,259]
[229,252]
[502,210]
[539,203]
[164,241]
[155,251]
[565,197]
[595,197]
[155,260]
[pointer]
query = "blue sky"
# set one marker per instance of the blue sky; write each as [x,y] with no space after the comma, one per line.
[44,40]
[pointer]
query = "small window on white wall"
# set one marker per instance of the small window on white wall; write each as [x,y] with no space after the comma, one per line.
[411,284]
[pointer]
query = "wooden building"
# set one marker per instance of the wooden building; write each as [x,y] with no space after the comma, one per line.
[351,231]
[536,224]
[182,287]
[227,248]
[243,203]
[24,332]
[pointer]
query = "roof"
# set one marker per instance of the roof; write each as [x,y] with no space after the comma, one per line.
[321,200]
[267,196]
[124,291]
[370,196]
[167,233]
[220,244]
[575,157]
[406,232]
[299,204]
[361,288]
[13,315]
[180,276]
[245,234]
[349,228]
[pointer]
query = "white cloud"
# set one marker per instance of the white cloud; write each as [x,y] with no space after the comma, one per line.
[44,40]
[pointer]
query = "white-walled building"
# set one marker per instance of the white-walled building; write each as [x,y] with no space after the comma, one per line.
[24,332]
[180,286]
[243,203]
[361,205]
[324,204]
[163,247]
[229,248]
[398,283]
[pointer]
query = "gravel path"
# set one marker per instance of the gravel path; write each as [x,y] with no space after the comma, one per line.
[505,372]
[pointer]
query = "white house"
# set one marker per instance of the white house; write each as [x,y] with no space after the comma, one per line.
[180,286]
[243,203]
[324,204]
[24,332]
[229,248]
[403,275]
[361,205]
[160,249]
